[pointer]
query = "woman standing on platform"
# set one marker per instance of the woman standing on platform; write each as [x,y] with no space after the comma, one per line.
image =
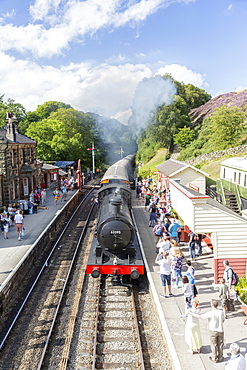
[192,329]
[177,265]
[190,273]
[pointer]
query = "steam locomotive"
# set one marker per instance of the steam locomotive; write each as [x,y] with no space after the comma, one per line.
[115,249]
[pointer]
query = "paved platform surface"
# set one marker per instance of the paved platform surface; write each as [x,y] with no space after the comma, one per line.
[12,250]
[171,308]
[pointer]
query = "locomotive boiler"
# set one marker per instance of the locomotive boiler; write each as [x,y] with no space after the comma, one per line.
[115,250]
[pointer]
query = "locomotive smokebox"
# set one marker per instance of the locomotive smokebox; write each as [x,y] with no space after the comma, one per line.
[115,231]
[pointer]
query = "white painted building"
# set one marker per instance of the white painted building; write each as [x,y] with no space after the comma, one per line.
[202,215]
[235,170]
[183,173]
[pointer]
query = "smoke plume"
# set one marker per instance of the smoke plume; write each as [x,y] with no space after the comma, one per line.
[149,95]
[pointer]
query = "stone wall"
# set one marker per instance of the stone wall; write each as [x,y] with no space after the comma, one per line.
[217,155]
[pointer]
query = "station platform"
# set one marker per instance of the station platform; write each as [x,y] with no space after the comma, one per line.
[12,250]
[170,309]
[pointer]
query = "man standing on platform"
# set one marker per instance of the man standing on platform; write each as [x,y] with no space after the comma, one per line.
[228,274]
[19,221]
[215,323]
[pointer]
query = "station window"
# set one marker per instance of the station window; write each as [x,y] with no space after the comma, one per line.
[224,173]
[245,180]
[53,176]
[25,186]
[234,177]
[239,178]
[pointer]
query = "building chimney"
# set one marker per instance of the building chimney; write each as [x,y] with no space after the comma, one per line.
[11,122]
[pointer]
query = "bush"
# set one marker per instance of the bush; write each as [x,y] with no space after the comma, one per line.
[241,289]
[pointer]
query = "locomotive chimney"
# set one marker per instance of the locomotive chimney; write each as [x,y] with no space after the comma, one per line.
[115,205]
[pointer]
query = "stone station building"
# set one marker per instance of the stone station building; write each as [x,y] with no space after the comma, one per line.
[18,164]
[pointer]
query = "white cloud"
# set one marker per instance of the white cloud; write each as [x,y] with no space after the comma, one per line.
[183,74]
[42,8]
[104,89]
[228,9]
[66,21]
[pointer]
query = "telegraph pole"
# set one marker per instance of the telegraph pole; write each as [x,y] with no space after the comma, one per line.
[93,159]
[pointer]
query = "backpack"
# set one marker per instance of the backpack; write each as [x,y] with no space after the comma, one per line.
[235,277]
[159,230]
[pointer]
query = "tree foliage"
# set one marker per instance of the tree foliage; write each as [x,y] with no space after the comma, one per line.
[11,106]
[170,119]
[64,135]
[227,126]
[184,137]
[223,129]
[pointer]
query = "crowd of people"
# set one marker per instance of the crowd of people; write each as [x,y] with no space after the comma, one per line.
[13,215]
[172,261]
[10,217]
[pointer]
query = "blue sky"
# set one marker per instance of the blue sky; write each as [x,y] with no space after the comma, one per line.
[92,54]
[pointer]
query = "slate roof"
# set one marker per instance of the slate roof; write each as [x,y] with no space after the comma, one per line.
[21,139]
[171,167]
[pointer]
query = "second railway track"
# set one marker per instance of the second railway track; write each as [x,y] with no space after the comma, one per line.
[27,341]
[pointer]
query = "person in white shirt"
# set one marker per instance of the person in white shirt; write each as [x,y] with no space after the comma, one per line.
[237,361]
[164,244]
[215,323]
[164,262]
[19,221]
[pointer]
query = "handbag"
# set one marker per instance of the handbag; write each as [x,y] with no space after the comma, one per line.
[23,232]
[230,305]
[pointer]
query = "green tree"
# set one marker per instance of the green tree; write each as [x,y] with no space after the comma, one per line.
[194,96]
[44,110]
[64,135]
[10,106]
[227,127]
[184,137]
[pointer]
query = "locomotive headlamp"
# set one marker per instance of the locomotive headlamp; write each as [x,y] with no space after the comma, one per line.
[95,273]
[134,274]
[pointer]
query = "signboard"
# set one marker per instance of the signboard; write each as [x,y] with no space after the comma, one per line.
[193,187]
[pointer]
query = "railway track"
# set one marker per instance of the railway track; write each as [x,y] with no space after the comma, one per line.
[117,328]
[25,343]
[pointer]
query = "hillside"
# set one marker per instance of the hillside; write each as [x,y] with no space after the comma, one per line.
[236,99]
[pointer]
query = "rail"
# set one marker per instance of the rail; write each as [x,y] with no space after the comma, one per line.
[41,271]
[118,325]
[65,282]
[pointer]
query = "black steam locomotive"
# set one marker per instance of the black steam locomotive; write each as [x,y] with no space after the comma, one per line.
[115,251]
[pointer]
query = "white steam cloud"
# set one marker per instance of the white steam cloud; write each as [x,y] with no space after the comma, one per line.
[149,95]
